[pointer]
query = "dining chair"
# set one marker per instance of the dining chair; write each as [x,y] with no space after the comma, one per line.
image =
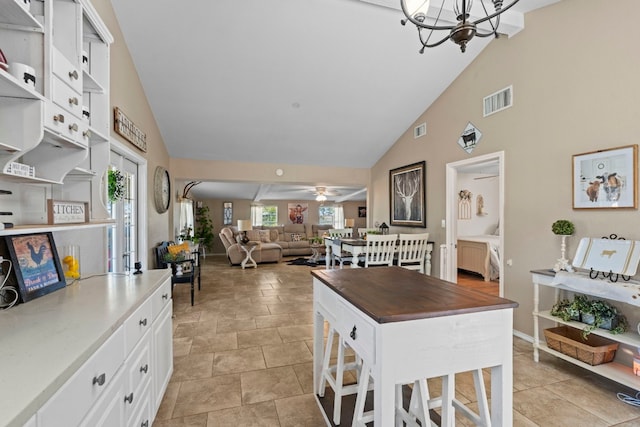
[336,248]
[365,231]
[379,250]
[412,249]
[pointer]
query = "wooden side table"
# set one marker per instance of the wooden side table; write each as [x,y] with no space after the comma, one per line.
[248,249]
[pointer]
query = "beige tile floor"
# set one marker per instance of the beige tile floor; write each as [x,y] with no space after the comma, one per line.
[242,357]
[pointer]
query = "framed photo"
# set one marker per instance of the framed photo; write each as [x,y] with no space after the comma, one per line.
[606,179]
[407,194]
[362,211]
[227,213]
[36,264]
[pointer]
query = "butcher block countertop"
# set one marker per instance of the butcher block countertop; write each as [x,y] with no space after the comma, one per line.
[395,294]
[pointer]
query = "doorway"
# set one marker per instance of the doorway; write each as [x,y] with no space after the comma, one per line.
[469,213]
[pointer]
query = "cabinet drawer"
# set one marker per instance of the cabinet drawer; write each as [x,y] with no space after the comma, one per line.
[138,372]
[356,330]
[73,400]
[66,71]
[137,325]
[66,124]
[161,298]
[141,416]
[66,97]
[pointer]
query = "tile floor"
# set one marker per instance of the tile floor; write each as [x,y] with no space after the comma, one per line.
[242,357]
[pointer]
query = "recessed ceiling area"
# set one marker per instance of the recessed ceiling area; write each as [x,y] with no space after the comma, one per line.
[258,192]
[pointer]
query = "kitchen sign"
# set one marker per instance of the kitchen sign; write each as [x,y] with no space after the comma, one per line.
[128,130]
[66,212]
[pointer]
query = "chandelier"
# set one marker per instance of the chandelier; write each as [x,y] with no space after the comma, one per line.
[460,33]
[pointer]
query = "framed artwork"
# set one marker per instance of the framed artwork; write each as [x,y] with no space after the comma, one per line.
[298,212]
[606,179]
[362,211]
[227,213]
[407,195]
[36,264]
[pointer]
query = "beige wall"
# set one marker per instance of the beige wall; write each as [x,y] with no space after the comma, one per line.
[575,91]
[127,93]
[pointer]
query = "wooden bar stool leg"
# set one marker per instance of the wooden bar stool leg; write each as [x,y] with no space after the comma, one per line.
[448,395]
[481,395]
[325,362]
[359,417]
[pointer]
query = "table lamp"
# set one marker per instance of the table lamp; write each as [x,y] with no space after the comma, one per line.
[244,225]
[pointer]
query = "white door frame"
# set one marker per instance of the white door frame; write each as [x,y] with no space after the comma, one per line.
[451,270]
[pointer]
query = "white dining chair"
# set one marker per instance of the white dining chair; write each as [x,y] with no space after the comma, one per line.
[412,249]
[337,254]
[380,250]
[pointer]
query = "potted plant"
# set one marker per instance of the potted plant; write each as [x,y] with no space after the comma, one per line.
[563,228]
[601,314]
[115,185]
[570,310]
[316,240]
[204,226]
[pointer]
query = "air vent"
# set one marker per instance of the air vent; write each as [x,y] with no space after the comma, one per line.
[498,101]
[420,130]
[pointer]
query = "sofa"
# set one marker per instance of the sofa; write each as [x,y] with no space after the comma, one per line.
[265,252]
[292,239]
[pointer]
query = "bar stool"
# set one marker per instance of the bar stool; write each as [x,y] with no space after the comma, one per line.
[337,382]
[420,402]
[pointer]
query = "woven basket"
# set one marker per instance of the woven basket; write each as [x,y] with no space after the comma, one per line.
[595,350]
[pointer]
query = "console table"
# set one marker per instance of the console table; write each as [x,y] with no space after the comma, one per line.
[406,326]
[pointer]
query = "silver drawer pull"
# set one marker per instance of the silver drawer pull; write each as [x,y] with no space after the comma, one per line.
[165,296]
[58,118]
[73,101]
[143,322]
[73,127]
[99,379]
[86,134]
[129,398]
[144,368]
[353,334]
[73,75]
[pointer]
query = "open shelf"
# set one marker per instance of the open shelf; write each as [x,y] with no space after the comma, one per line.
[13,14]
[12,88]
[41,228]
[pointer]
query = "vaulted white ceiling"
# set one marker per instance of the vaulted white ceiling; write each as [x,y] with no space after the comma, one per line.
[318,82]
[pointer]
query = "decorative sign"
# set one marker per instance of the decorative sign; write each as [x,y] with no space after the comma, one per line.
[128,130]
[470,138]
[66,212]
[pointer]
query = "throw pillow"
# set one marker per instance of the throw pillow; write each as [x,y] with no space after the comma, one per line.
[295,237]
[253,235]
[264,236]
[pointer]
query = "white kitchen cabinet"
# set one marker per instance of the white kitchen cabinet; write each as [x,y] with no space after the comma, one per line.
[615,370]
[162,343]
[60,127]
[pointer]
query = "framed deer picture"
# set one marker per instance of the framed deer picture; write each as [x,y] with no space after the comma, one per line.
[407,192]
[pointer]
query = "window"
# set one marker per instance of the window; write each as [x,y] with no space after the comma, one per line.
[264,215]
[122,237]
[331,215]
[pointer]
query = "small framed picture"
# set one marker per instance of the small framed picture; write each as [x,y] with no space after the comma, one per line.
[408,204]
[227,213]
[36,264]
[606,179]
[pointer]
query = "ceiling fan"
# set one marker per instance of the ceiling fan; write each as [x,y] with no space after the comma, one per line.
[322,193]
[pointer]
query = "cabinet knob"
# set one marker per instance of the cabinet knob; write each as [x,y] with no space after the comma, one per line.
[73,75]
[143,322]
[86,134]
[100,379]
[165,296]
[145,423]
[73,101]
[353,334]
[58,118]
[73,127]
[144,368]
[129,398]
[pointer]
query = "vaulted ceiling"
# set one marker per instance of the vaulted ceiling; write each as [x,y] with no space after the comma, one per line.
[275,80]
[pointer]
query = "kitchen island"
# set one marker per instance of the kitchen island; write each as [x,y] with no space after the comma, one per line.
[407,326]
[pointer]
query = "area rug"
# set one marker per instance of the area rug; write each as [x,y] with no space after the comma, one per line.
[303,261]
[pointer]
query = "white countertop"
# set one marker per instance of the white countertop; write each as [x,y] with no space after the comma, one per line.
[44,341]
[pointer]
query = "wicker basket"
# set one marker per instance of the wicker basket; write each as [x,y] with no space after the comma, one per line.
[594,351]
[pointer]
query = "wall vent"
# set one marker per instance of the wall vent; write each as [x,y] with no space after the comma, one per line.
[420,130]
[498,101]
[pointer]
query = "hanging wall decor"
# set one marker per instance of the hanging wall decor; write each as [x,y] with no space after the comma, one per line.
[407,194]
[227,213]
[464,204]
[469,138]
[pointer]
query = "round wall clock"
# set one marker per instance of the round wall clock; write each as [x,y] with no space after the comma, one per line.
[161,189]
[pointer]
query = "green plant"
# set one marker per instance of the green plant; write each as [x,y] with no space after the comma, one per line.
[570,310]
[563,227]
[115,185]
[601,313]
[316,240]
[204,226]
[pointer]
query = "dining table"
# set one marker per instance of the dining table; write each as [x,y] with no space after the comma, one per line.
[358,247]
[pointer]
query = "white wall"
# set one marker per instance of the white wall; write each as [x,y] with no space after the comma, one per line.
[480,185]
